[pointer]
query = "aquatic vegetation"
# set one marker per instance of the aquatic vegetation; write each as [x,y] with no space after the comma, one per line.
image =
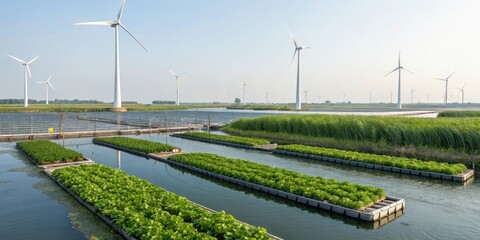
[400,162]
[46,152]
[461,135]
[146,211]
[230,139]
[137,144]
[345,194]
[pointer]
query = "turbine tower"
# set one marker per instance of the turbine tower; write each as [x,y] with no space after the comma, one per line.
[27,73]
[446,86]
[463,93]
[344,96]
[117,99]
[48,85]
[244,93]
[267,97]
[306,95]
[298,103]
[178,85]
[370,96]
[399,68]
[411,93]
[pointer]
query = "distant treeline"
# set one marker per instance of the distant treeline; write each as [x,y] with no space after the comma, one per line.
[163,102]
[56,101]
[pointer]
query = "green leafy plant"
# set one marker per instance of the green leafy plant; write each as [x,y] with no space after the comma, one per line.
[146,211]
[229,139]
[345,194]
[45,152]
[137,144]
[408,163]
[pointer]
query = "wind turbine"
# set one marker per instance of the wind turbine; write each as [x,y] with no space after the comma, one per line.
[306,95]
[399,68]
[411,92]
[446,86]
[178,85]
[267,97]
[371,96]
[298,103]
[27,74]
[48,85]
[344,96]
[244,93]
[463,93]
[428,98]
[117,99]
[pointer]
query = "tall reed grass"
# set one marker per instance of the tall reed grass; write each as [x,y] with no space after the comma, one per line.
[461,135]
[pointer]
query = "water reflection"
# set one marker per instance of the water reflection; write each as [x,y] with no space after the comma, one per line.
[119,160]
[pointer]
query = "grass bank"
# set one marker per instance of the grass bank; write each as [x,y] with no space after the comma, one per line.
[459,114]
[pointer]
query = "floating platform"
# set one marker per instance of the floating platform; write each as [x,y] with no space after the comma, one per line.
[385,208]
[463,177]
[56,165]
[266,147]
[110,222]
[107,220]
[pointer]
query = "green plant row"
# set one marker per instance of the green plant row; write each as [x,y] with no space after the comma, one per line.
[230,139]
[46,152]
[146,211]
[345,194]
[458,114]
[462,135]
[137,144]
[400,162]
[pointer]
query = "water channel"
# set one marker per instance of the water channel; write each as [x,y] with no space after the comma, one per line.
[435,209]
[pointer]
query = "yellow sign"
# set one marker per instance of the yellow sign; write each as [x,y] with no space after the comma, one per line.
[50,130]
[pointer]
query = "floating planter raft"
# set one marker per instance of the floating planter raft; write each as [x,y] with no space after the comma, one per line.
[389,206]
[462,177]
[158,202]
[45,154]
[263,147]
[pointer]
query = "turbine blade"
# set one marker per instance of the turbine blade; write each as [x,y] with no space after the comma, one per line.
[126,30]
[450,75]
[407,70]
[51,85]
[173,72]
[28,70]
[181,74]
[293,58]
[48,80]
[33,60]
[293,38]
[100,23]
[41,82]
[441,79]
[392,71]
[17,59]
[120,12]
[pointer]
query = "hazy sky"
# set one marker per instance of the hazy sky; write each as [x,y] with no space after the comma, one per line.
[220,44]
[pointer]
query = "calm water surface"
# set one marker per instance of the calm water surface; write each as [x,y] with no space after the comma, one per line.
[33,207]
